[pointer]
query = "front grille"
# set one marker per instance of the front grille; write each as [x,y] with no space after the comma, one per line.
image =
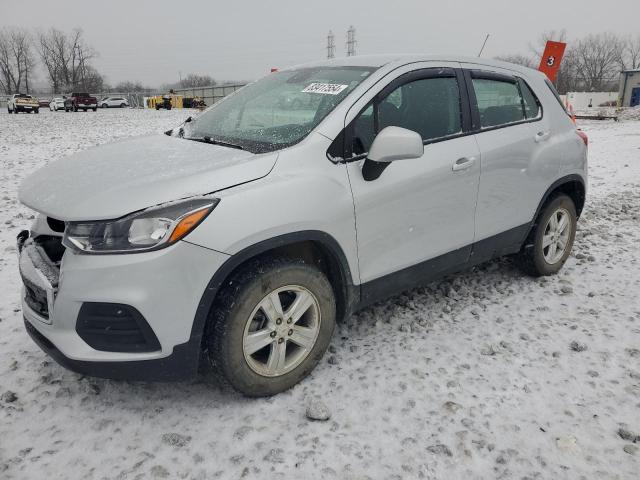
[114,327]
[36,298]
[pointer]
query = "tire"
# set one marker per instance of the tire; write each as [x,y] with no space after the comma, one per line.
[122,105]
[538,259]
[104,105]
[169,107]
[237,312]
[157,107]
[37,110]
[9,110]
[95,109]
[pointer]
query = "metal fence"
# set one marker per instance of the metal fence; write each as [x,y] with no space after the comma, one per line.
[209,95]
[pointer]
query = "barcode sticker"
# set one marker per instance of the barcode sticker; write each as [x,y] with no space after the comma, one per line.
[325,88]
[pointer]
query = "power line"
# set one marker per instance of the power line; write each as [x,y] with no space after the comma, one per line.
[331,46]
[351,41]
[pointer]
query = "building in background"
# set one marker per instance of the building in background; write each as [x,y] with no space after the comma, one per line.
[629,94]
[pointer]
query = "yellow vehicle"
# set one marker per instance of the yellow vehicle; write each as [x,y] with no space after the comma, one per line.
[165,101]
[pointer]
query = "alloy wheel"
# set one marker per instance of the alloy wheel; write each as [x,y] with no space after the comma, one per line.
[556,236]
[281,331]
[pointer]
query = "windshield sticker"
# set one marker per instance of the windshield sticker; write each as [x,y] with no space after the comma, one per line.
[325,88]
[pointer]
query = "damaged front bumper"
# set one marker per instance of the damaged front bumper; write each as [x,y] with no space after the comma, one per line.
[40,277]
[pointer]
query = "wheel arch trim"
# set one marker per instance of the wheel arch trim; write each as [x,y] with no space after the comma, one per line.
[330,245]
[554,186]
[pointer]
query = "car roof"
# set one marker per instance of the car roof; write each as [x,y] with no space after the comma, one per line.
[395,60]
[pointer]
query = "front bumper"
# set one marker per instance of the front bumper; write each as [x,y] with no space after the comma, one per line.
[165,286]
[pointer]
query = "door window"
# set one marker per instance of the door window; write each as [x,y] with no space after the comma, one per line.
[499,102]
[429,106]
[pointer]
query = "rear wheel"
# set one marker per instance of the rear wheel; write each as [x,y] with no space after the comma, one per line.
[271,326]
[122,105]
[104,105]
[37,110]
[549,243]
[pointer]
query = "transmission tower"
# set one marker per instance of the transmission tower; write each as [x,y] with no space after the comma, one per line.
[351,41]
[331,46]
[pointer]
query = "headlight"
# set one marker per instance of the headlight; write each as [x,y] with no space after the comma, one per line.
[149,229]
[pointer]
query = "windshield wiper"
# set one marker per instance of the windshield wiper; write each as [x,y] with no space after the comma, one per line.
[215,142]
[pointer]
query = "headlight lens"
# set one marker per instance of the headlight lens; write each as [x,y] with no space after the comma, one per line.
[149,229]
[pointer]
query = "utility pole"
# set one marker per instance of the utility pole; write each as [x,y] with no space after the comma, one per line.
[351,41]
[331,46]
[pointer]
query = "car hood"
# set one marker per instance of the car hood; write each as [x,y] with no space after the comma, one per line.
[116,179]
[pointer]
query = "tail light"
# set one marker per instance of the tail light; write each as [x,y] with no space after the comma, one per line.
[584,137]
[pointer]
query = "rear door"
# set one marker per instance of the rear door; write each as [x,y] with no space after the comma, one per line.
[509,125]
[420,209]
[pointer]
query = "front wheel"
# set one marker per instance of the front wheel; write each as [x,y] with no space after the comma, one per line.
[37,110]
[551,239]
[271,326]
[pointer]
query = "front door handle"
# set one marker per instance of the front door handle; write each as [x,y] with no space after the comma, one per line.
[463,163]
[542,136]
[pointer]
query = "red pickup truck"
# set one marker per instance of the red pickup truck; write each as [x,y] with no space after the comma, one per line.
[80,101]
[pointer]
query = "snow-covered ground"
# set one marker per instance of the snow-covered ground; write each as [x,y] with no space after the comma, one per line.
[488,374]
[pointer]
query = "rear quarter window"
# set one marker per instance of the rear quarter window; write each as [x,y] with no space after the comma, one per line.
[530,102]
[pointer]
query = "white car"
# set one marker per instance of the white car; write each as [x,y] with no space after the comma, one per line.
[241,236]
[56,104]
[118,102]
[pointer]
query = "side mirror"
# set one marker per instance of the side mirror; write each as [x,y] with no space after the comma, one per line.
[395,143]
[391,144]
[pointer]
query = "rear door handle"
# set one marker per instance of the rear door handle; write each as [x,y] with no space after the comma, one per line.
[542,136]
[463,163]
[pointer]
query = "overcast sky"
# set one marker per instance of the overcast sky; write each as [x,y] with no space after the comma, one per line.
[154,40]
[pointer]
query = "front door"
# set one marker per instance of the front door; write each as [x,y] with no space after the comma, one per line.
[419,209]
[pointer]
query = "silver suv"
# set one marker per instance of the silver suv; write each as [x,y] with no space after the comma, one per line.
[241,236]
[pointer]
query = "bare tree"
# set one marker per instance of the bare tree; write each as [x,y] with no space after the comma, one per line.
[629,58]
[67,60]
[597,59]
[17,61]
[130,87]
[194,80]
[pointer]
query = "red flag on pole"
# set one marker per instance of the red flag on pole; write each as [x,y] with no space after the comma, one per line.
[551,58]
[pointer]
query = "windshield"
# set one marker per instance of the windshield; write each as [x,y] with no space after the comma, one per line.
[278,110]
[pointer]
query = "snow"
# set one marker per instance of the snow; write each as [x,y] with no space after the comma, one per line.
[476,376]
